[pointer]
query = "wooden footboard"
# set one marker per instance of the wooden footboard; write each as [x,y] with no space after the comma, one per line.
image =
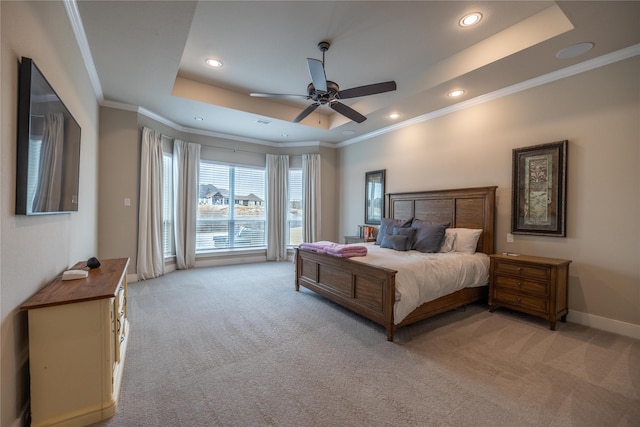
[364,289]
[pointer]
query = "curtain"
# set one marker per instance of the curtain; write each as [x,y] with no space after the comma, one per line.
[186,164]
[311,197]
[150,253]
[277,202]
[48,190]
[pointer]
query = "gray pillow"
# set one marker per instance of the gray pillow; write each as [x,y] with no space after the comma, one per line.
[405,231]
[387,224]
[394,241]
[429,236]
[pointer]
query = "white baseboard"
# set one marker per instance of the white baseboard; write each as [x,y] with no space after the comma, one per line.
[605,324]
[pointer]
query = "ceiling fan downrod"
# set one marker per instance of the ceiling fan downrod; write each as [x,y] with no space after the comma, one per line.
[323,46]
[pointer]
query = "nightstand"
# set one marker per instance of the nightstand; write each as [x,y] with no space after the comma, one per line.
[530,284]
[356,239]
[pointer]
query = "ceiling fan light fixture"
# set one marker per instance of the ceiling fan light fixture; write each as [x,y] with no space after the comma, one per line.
[470,19]
[212,62]
[456,93]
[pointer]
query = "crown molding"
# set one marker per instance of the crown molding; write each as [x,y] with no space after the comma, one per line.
[81,38]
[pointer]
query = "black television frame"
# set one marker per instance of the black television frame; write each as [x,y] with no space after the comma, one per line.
[33,84]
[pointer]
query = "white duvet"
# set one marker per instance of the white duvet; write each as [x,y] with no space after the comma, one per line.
[423,277]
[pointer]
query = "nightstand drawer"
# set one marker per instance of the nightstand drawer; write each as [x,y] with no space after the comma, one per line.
[521,301]
[522,285]
[523,270]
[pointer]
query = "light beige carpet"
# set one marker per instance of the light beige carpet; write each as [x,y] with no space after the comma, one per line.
[237,346]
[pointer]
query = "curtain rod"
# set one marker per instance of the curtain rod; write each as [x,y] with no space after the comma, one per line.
[215,146]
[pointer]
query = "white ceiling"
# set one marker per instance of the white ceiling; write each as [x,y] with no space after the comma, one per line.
[150,54]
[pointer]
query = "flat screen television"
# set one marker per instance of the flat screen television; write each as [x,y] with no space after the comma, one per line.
[48,155]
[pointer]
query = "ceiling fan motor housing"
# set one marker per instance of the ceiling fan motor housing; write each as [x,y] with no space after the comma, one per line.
[323,97]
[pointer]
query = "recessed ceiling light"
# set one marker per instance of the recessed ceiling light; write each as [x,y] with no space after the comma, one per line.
[574,50]
[212,62]
[394,116]
[285,135]
[198,118]
[263,122]
[456,93]
[470,19]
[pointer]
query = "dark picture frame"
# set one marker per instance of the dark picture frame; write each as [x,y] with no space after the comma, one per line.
[374,196]
[539,188]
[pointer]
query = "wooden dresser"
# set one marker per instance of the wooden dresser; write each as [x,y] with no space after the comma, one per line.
[533,285]
[78,334]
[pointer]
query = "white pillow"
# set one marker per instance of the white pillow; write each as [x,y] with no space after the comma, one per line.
[466,239]
[449,238]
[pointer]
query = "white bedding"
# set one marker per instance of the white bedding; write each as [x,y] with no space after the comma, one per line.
[423,277]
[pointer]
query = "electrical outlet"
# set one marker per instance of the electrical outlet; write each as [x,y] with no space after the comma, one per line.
[509,238]
[127,201]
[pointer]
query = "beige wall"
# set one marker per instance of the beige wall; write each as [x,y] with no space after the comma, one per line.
[598,112]
[36,249]
[120,133]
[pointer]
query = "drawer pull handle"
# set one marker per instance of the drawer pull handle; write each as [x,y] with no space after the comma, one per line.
[519,269]
[518,299]
[118,320]
[520,284]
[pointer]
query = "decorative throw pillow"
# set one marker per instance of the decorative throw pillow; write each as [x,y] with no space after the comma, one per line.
[387,224]
[449,239]
[405,231]
[429,236]
[394,241]
[466,239]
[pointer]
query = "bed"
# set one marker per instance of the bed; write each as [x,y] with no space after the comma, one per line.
[370,290]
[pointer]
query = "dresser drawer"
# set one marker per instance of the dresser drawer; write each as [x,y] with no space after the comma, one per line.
[521,301]
[522,285]
[523,270]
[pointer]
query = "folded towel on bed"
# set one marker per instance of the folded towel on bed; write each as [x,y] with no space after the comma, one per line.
[347,251]
[320,246]
[335,249]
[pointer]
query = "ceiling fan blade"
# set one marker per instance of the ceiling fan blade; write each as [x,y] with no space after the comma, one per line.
[310,109]
[348,112]
[318,77]
[278,95]
[367,90]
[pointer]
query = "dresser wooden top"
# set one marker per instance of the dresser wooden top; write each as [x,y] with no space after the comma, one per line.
[531,259]
[101,283]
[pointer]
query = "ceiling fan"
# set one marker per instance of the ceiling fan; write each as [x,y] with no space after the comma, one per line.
[322,91]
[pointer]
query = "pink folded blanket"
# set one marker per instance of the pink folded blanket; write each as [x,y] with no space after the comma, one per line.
[335,249]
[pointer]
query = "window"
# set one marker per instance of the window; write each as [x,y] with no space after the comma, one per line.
[167,205]
[294,216]
[231,207]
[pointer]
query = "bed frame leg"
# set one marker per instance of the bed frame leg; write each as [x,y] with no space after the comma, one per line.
[389,333]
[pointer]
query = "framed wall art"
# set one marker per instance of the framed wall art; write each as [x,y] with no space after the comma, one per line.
[374,197]
[539,190]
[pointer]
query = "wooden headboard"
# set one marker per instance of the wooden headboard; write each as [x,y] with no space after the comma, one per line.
[463,208]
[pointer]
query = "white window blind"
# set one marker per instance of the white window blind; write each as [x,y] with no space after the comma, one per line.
[295,213]
[167,205]
[231,207]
